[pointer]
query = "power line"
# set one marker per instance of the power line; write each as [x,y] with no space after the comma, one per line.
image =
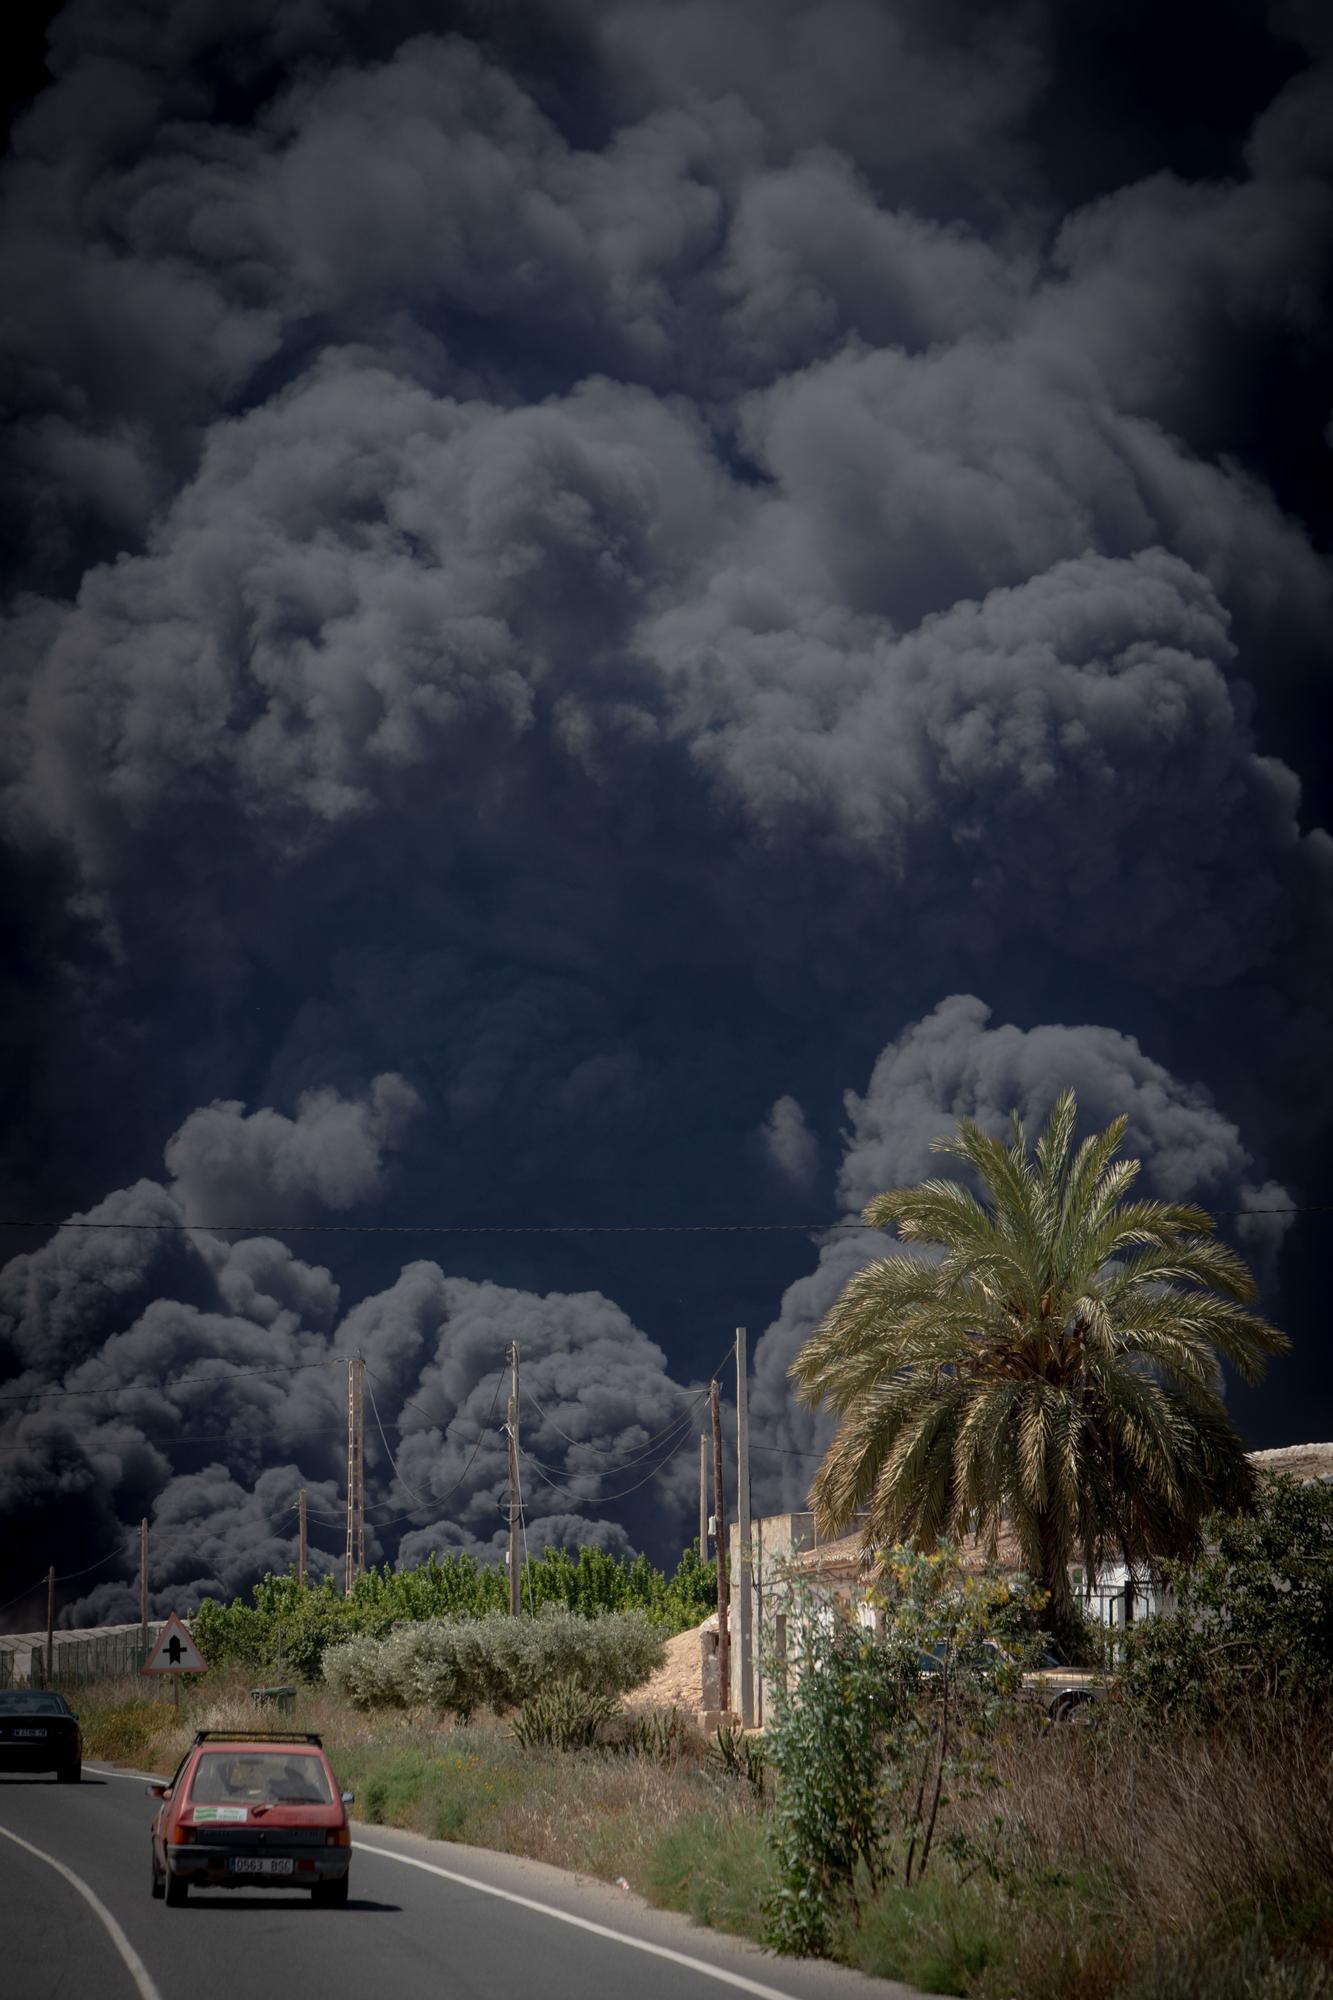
[374,1407]
[74,1574]
[646,1446]
[443,1498]
[181,1382]
[610,1499]
[41,1438]
[542,1228]
[71,1576]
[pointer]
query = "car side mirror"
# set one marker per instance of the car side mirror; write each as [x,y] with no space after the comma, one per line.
[348,1798]
[157,1791]
[74,1715]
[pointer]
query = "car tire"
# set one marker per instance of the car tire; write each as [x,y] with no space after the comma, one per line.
[157,1879]
[332,1895]
[175,1890]
[70,1774]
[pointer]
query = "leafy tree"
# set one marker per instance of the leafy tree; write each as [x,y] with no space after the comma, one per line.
[1253,1616]
[287,1625]
[1053,1361]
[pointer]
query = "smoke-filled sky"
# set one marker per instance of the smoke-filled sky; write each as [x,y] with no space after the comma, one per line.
[615,612]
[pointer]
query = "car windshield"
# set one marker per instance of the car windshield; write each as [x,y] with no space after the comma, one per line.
[21,1702]
[260,1777]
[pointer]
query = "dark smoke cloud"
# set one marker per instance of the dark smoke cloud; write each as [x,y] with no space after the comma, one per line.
[574,572]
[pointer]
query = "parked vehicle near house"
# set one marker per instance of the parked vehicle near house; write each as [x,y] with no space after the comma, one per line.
[259,1810]
[1066,1693]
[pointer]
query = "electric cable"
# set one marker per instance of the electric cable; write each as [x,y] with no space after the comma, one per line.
[609,1499]
[543,1228]
[699,1398]
[411,1490]
[440,1502]
[181,1382]
[647,1447]
[70,1576]
[149,1437]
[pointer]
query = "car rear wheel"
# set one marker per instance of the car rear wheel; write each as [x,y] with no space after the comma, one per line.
[331,1895]
[70,1774]
[176,1890]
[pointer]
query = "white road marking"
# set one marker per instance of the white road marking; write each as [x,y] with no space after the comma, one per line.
[134,1965]
[717,1972]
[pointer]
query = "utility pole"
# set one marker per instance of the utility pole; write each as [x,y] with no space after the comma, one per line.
[720,1550]
[515,1511]
[703,1496]
[743,1524]
[300,1536]
[143,1580]
[355,1559]
[50,1622]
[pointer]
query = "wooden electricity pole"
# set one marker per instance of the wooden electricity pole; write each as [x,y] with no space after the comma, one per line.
[703,1496]
[300,1536]
[515,1506]
[50,1622]
[720,1550]
[143,1580]
[355,1558]
[746,1579]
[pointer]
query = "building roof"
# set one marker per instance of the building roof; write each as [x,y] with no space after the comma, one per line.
[849,1559]
[1295,1461]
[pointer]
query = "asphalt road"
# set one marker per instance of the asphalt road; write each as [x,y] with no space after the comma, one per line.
[425,1919]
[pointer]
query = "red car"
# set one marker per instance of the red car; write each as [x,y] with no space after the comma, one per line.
[258,1811]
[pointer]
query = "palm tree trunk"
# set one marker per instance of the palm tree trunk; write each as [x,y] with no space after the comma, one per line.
[1061,1615]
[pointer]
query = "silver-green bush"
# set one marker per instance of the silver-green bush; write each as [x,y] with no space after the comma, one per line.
[458,1665]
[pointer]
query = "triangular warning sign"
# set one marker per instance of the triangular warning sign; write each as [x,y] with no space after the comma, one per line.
[175,1652]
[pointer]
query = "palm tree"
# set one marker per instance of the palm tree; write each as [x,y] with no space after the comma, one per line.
[1053,1361]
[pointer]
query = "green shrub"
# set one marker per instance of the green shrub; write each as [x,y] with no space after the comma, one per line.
[286,1626]
[739,1755]
[1253,1617]
[881,1734]
[460,1665]
[563,1716]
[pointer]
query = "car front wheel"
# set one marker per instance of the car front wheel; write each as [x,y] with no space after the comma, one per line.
[157,1879]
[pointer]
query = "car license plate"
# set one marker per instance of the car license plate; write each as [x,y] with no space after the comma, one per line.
[30,1732]
[268,1864]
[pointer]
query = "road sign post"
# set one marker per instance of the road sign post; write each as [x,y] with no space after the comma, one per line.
[175,1653]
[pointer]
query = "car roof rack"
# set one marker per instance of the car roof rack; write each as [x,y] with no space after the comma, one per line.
[259,1736]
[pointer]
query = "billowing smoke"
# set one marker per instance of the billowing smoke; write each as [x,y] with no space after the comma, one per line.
[574,571]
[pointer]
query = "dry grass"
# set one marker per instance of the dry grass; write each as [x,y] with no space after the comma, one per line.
[1119,1862]
[603,1815]
[1192,1829]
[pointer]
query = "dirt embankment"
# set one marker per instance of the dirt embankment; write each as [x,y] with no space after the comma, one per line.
[677,1682]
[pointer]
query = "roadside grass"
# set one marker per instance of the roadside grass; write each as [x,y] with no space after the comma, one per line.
[715,1867]
[1104,1863]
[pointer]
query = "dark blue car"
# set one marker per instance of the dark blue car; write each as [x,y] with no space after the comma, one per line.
[39,1731]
